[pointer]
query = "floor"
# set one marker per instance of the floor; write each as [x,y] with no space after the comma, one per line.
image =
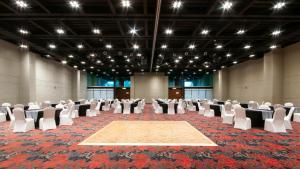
[59,148]
[148,133]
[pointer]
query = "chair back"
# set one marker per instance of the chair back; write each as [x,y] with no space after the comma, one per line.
[236,106]
[240,113]
[19,106]
[6,104]
[253,105]
[279,116]
[289,104]
[289,116]
[268,104]
[126,106]
[93,105]
[228,107]
[106,103]
[45,104]
[277,106]
[49,113]
[171,105]
[264,107]
[19,114]
[206,107]
[59,106]
[235,102]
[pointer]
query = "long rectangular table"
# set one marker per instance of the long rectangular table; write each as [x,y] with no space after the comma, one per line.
[38,114]
[216,107]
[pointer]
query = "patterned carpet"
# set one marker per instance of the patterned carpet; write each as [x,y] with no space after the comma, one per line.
[58,148]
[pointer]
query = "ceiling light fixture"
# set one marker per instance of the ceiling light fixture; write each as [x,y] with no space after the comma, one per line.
[60,31]
[135,46]
[247,46]
[279,5]
[82,62]
[64,62]
[226,5]
[164,46]
[71,56]
[241,32]
[276,32]
[23,31]
[228,55]
[74,4]
[234,62]
[75,66]
[133,31]
[192,46]
[96,31]
[52,46]
[80,46]
[23,46]
[108,46]
[204,31]
[219,46]
[21,3]
[251,56]
[169,31]
[273,46]
[176,4]
[126,3]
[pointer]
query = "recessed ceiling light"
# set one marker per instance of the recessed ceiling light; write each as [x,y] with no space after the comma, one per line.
[204,31]
[228,55]
[192,46]
[112,60]
[64,62]
[83,70]
[48,56]
[279,5]
[206,66]
[247,46]
[92,54]
[82,62]
[214,70]
[135,46]
[196,57]
[241,32]
[92,67]
[133,31]
[23,31]
[273,47]
[52,46]
[200,70]
[276,32]
[96,31]
[80,46]
[108,46]
[21,3]
[179,57]
[60,31]
[74,4]
[169,31]
[176,4]
[126,3]
[142,70]
[223,67]
[139,54]
[219,46]
[191,61]
[164,46]
[226,5]
[127,60]
[176,61]
[75,66]
[234,62]
[251,56]
[98,61]
[23,46]
[71,56]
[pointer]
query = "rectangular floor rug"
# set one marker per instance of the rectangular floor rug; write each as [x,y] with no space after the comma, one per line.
[148,133]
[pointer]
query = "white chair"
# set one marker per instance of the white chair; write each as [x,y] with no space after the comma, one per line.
[287,119]
[66,115]
[158,109]
[106,106]
[253,105]
[22,124]
[228,114]
[297,117]
[201,109]
[60,106]
[180,108]
[126,109]
[48,121]
[190,106]
[118,107]
[241,121]
[264,107]
[171,109]
[138,108]
[45,104]
[2,116]
[93,111]
[12,118]
[288,104]
[276,125]
[19,106]
[268,104]
[74,112]
[207,111]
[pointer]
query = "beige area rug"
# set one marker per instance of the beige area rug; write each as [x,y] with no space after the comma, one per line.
[148,133]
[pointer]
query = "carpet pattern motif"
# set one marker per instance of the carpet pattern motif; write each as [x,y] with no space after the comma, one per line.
[59,148]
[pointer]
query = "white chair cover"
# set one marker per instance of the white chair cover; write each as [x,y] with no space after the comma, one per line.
[48,121]
[22,124]
[276,124]
[241,121]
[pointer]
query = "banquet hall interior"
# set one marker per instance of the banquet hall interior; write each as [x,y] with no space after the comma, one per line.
[150,84]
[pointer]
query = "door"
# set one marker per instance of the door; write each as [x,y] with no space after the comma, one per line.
[122,93]
[175,93]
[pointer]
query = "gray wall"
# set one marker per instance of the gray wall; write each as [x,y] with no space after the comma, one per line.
[274,78]
[148,86]
[25,77]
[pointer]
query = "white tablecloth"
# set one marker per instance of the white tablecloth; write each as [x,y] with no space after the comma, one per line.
[32,114]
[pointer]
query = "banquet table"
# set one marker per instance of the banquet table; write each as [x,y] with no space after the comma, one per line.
[244,105]
[165,107]
[217,109]
[196,104]
[221,102]
[39,113]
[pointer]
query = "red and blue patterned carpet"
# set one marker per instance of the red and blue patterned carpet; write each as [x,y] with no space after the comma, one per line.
[58,148]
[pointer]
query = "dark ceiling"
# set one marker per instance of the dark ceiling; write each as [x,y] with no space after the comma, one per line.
[257,17]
